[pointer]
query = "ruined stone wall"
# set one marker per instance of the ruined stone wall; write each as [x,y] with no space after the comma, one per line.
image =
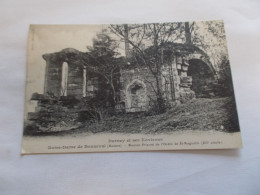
[181,78]
[75,81]
[137,89]
[52,75]
[53,114]
[139,83]
[184,81]
[176,84]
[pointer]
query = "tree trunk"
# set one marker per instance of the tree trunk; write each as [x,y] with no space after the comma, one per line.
[187,33]
[127,48]
[160,100]
[113,98]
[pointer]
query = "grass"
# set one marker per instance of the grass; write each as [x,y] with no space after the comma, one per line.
[198,114]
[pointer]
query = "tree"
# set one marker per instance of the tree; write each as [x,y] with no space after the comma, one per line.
[146,41]
[225,87]
[208,36]
[102,60]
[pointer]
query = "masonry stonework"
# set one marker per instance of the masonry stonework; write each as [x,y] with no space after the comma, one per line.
[187,75]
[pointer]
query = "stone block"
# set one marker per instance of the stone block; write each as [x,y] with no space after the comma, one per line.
[187,79]
[184,67]
[75,80]
[183,73]
[185,85]
[186,95]
[75,92]
[32,116]
[37,96]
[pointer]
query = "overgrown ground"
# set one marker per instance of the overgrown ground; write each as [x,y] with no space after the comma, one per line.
[198,114]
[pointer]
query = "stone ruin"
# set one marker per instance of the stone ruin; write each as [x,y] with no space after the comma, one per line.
[188,75]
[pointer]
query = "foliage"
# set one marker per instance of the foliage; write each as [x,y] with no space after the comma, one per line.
[225,86]
[198,114]
[210,37]
[103,61]
[154,36]
[104,47]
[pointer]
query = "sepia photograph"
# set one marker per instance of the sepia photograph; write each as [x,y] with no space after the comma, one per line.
[129,87]
[129,97]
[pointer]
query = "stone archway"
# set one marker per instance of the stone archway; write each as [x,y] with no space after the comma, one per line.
[202,77]
[136,95]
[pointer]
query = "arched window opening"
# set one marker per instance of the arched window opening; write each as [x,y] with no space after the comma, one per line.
[84,82]
[64,79]
[136,95]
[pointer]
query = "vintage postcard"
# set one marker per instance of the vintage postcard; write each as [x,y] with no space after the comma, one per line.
[129,87]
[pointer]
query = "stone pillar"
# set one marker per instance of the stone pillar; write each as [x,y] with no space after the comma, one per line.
[185,83]
[75,81]
[175,79]
[166,82]
[127,48]
[53,74]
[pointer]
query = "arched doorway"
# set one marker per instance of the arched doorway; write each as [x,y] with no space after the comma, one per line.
[202,77]
[136,96]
